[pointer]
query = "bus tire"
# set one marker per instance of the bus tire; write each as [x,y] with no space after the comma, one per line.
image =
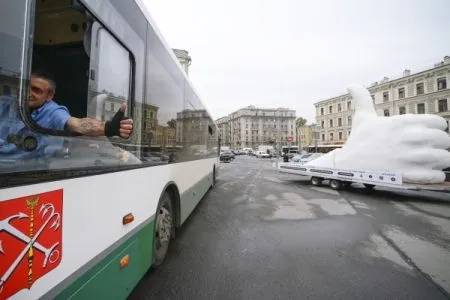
[335,184]
[316,181]
[164,228]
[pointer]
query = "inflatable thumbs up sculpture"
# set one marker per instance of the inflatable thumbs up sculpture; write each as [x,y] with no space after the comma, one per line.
[415,145]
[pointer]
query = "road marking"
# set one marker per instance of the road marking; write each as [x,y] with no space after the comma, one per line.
[442,224]
[359,204]
[436,209]
[333,207]
[431,259]
[324,190]
[377,247]
[292,206]
[273,179]
[271,197]
[289,212]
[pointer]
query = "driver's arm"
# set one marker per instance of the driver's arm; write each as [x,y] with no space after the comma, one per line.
[86,126]
[118,125]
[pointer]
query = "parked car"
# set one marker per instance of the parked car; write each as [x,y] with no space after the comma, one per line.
[262,154]
[226,156]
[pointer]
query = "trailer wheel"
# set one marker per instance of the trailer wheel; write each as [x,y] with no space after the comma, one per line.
[316,181]
[335,184]
[369,186]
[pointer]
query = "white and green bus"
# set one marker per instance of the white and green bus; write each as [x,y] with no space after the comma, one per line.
[85,216]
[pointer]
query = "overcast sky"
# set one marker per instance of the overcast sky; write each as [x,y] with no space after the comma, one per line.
[293,53]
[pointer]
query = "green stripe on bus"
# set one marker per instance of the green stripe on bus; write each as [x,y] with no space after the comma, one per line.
[106,279]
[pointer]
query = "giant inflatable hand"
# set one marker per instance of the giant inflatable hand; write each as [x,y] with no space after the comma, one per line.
[412,144]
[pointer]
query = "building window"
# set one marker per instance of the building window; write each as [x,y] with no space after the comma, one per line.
[442,105]
[323,124]
[386,112]
[349,120]
[331,136]
[340,135]
[420,88]
[331,123]
[401,93]
[421,108]
[340,122]
[385,96]
[330,109]
[349,105]
[323,137]
[321,111]
[339,107]
[441,83]
[402,110]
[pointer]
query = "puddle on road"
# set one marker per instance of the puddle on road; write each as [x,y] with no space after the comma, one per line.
[430,258]
[377,247]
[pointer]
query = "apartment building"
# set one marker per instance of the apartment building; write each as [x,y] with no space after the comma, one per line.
[424,92]
[223,127]
[252,126]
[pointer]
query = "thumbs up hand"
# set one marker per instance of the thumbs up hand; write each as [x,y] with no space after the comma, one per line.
[412,144]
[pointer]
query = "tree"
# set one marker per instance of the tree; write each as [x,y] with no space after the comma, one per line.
[172,123]
[299,122]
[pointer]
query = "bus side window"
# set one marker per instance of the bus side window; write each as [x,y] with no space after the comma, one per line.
[109,77]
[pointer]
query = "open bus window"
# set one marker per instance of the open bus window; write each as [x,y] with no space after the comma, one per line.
[91,69]
[90,73]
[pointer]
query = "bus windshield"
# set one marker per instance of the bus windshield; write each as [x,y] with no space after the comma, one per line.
[11,60]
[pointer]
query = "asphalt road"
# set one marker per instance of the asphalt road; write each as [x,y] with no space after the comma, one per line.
[264,235]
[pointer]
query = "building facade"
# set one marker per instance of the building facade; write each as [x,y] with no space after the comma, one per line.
[424,92]
[250,127]
[224,131]
[308,136]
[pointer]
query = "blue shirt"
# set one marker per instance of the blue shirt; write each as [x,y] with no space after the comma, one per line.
[50,115]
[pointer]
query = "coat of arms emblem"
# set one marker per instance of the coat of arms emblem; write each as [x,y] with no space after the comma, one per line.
[30,240]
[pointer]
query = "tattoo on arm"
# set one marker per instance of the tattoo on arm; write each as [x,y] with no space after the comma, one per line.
[89,127]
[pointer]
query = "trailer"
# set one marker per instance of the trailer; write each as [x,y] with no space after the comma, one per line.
[343,178]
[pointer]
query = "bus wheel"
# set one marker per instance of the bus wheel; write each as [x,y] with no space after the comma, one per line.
[163,228]
[335,184]
[316,181]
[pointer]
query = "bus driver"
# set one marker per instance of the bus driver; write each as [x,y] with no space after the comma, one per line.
[48,114]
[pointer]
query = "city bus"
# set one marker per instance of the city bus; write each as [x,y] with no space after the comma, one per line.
[85,216]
